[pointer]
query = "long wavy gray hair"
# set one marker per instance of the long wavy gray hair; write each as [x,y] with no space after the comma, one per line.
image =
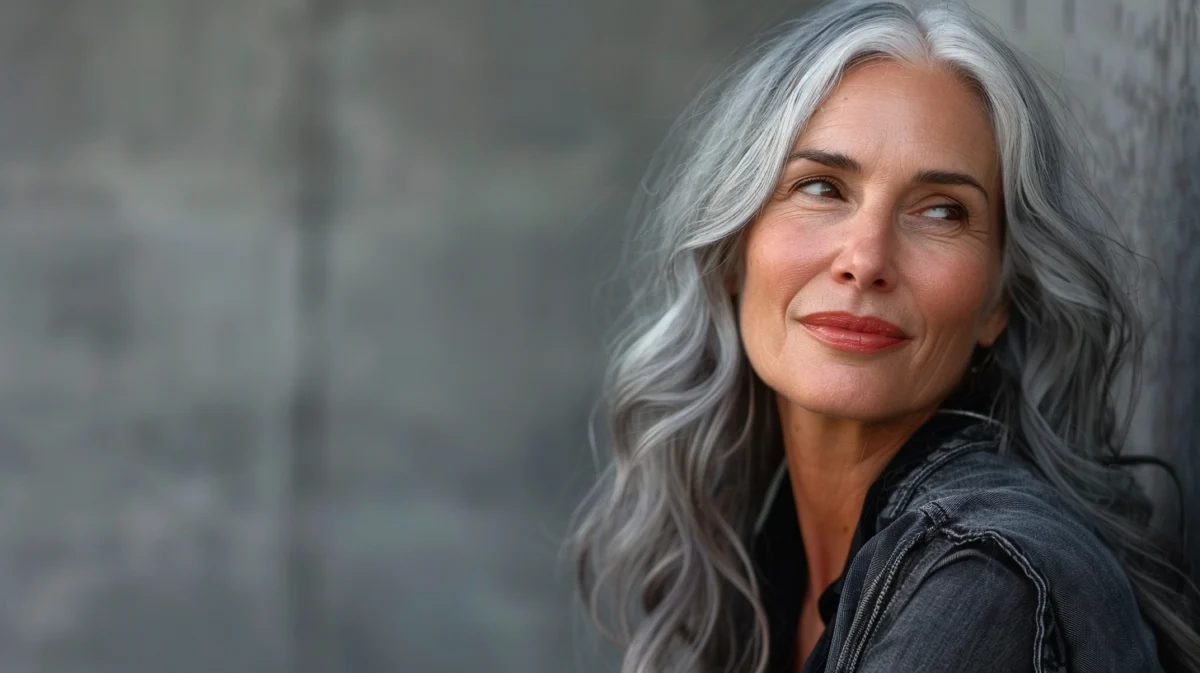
[661,542]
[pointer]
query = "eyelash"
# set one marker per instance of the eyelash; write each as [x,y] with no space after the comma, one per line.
[954,207]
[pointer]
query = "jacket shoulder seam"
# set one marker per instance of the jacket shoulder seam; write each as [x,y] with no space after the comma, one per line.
[1044,628]
[884,588]
[907,489]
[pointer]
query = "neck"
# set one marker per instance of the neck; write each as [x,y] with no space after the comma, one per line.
[832,463]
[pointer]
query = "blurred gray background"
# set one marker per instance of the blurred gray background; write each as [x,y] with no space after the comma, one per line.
[302,307]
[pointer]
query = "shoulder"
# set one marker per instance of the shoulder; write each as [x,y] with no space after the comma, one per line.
[981,496]
[953,608]
[986,529]
[967,492]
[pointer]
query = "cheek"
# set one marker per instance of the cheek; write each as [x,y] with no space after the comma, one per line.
[951,294]
[778,265]
[779,262]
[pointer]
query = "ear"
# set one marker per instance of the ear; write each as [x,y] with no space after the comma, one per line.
[731,285]
[995,323]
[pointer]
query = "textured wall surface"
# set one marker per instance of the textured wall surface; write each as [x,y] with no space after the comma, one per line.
[300,315]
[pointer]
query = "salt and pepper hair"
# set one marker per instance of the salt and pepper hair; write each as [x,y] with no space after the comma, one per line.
[661,542]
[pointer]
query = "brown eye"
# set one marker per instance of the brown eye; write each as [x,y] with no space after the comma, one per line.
[947,211]
[818,187]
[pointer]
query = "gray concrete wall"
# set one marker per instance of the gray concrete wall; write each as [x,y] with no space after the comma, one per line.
[300,320]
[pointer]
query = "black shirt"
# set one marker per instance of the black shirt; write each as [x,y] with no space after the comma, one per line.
[779,549]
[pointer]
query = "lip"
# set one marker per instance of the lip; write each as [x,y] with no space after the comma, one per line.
[846,331]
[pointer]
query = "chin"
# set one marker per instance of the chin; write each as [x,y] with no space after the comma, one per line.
[844,401]
[857,410]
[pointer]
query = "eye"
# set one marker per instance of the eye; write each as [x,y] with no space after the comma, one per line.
[947,211]
[820,187]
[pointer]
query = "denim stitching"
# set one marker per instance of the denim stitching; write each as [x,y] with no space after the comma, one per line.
[909,579]
[937,515]
[1030,572]
[905,491]
[898,557]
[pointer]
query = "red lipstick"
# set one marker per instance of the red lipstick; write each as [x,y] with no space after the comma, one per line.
[848,332]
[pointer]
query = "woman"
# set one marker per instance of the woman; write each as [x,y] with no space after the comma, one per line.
[865,419]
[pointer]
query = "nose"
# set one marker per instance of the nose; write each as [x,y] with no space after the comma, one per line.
[866,257]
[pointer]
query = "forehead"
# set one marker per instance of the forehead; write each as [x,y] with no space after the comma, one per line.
[894,112]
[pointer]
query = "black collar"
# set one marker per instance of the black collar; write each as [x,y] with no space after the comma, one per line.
[779,549]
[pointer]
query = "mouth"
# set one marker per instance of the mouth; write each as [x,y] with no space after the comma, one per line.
[848,332]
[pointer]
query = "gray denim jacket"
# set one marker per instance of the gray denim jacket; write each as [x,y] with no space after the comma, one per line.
[963,560]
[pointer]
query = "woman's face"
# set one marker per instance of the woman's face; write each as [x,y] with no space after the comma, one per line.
[889,207]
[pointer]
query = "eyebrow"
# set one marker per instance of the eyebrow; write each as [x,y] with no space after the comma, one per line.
[925,177]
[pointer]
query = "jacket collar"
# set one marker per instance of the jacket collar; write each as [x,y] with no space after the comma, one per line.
[779,551]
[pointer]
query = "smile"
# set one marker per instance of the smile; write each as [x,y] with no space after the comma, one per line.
[855,342]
